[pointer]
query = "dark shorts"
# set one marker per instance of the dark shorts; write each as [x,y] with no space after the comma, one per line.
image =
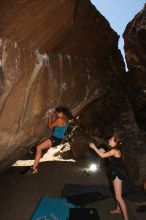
[55,141]
[118,173]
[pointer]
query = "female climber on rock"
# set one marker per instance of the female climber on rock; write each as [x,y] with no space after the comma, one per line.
[59,125]
[117,171]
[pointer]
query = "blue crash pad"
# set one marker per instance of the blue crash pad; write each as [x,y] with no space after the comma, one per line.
[51,208]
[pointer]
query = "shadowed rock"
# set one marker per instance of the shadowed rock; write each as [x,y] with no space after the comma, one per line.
[135,50]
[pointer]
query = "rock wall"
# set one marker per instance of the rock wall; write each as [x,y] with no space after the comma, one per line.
[31,84]
[135,51]
[36,23]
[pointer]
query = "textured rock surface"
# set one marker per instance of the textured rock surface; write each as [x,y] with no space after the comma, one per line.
[135,49]
[36,24]
[32,83]
[68,26]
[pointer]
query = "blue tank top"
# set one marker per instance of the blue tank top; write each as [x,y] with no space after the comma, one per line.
[59,131]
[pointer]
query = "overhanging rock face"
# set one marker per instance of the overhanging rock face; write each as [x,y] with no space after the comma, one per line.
[78,61]
[31,84]
[36,24]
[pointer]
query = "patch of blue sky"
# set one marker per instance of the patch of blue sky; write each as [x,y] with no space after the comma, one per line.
[119,13]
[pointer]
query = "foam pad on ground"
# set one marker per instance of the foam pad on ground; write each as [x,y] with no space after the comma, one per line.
[52,208]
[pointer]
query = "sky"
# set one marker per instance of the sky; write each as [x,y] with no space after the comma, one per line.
[119,13]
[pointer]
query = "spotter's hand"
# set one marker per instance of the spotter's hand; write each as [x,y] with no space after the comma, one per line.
[92,145]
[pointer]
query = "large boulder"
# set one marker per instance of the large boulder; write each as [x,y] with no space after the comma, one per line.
[135,51]
[33,83]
